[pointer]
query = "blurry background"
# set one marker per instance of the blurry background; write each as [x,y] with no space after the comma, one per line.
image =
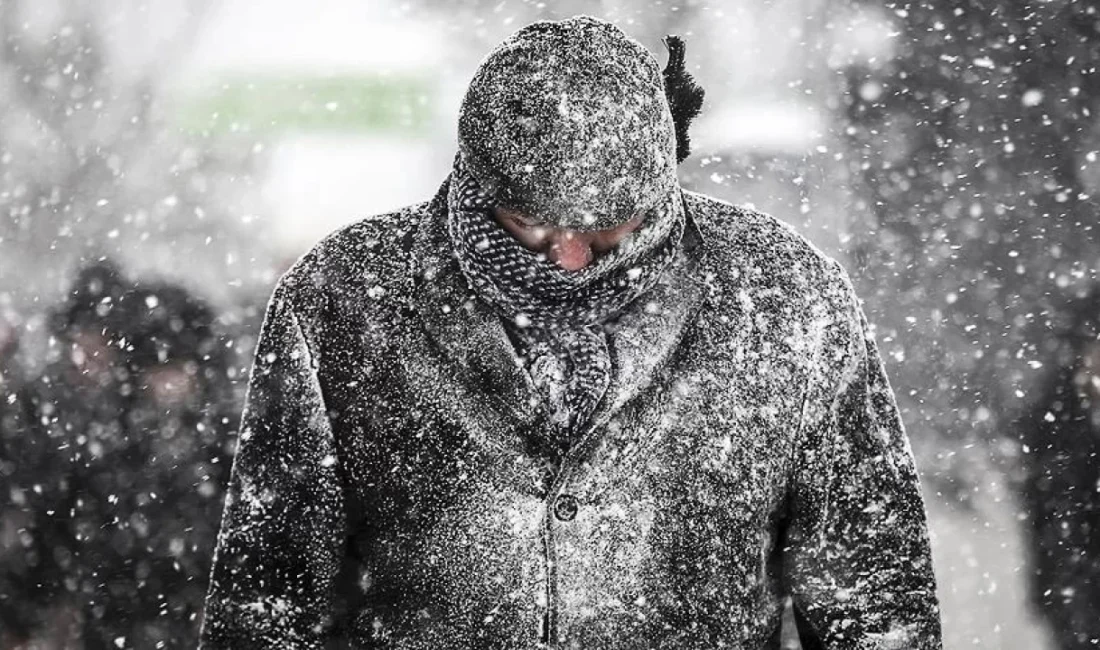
[169,160]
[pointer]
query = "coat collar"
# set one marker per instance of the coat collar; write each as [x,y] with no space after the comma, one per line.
[470,336]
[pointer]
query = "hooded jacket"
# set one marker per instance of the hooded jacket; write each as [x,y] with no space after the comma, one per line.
[395,485]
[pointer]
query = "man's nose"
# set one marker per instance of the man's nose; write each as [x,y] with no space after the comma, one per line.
[569,250]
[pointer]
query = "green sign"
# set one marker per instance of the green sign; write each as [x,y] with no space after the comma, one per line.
[349,103]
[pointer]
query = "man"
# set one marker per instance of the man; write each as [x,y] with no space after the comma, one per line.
[567,404]
[77,402]
[144,517]
[116,467]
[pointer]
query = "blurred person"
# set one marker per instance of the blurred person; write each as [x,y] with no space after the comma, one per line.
[568,404]
[77,399]
[119,468]
[147,503]
[1060,433]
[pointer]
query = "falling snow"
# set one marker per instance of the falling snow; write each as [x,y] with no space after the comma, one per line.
[391,455]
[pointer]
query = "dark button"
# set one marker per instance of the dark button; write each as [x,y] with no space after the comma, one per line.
[565,508]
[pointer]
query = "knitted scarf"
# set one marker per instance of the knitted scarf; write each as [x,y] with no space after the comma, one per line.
[555,316]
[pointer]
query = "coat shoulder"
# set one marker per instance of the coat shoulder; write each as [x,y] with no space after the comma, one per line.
[365,261]
[756,251]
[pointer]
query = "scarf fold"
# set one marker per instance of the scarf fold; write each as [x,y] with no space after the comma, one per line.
[555,316]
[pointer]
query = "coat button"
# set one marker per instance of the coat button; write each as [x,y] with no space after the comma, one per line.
[565,507]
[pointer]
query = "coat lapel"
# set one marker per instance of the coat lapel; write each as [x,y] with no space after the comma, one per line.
[464,328]
[646,336]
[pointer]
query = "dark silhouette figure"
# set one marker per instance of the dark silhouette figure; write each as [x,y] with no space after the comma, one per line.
[1061,488]
[74,403]
[129,427]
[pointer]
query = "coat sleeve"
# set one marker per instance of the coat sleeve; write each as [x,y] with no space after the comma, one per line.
[857,558]
[283,527]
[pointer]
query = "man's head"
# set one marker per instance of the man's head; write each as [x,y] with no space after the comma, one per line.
[175,348]
[568,124]
[86,327]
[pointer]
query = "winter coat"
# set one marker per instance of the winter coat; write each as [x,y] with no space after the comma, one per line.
[392,488]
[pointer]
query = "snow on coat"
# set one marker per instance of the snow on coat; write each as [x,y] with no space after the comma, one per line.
[392,488]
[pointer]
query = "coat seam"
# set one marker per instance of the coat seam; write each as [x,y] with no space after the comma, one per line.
[795,464]
[312,361]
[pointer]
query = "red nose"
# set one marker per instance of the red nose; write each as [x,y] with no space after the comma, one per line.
[571,252]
